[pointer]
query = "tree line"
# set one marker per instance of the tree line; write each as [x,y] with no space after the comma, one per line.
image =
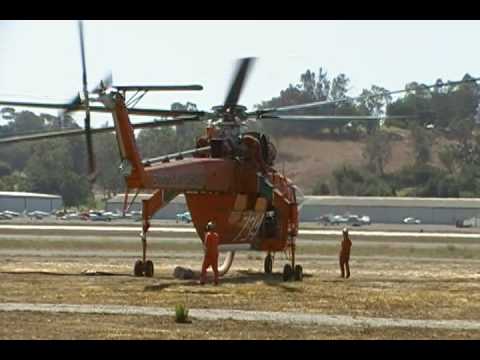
[448,112]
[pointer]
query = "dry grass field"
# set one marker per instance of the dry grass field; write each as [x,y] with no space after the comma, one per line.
[432,283]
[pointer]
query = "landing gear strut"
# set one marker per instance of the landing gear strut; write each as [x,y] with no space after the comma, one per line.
[292,271]
[144,267]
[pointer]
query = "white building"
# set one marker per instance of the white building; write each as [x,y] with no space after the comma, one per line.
[392,210]
[387,210]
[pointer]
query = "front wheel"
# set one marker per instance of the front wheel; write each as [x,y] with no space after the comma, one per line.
[268,264]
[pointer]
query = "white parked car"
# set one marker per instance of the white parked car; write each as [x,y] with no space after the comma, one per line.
[11,213]
[37,214]
[411,220]
[4,216]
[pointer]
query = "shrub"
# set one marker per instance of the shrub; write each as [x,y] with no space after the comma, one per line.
[181,314]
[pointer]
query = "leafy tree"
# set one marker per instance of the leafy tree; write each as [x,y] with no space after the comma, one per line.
[321,188]
[50,170]
[157,142]
[357,182]
[377,151]
[5,169]
[447,156]
[422,142]
[14,182]
[187,133]
[107,156]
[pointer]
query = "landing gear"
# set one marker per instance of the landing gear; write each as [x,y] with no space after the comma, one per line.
[298,273]
[148,268]
[292,271]
[268,265]
[138,268]
[287,272]
[143,268]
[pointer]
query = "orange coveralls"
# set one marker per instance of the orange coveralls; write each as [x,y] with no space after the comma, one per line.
[344,256]
[211,256]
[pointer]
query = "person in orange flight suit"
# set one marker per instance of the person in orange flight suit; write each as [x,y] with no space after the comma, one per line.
[344,255]
[210,246]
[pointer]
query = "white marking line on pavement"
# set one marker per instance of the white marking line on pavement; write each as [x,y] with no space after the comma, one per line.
[95,228]
[192,230]
[242,315]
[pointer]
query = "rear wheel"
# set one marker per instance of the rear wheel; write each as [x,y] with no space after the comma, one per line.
[138,268]
[148,268]
[287,272]
[268,265]
[298,273]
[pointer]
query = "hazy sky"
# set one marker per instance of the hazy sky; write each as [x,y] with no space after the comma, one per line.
[42,58]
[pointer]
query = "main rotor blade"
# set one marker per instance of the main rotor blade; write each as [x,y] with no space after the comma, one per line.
[101,109]
[159,88]
[331,102]
[175,155]
[105,83]
[330,117]
[84,65]
[238,82]
[36,104]
[76,132]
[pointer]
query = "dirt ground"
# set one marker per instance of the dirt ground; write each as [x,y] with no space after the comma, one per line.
[386,286]
[113,327]
[410,278]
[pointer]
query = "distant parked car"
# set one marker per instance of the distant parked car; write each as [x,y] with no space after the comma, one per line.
[325,219]
[75,216]
[366,220]
[356,220]
[411,220]
[11,213]
[37,214]
[4,216]
[99,216]
[184,217]
[464,223]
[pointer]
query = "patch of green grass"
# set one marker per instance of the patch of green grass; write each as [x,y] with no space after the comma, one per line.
[181,314]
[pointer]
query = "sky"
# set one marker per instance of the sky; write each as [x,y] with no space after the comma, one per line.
[40,60]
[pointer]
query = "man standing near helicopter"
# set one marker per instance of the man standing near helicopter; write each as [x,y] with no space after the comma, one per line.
[344,255]
[210,246]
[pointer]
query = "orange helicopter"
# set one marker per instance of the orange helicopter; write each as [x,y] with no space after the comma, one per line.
[229,177]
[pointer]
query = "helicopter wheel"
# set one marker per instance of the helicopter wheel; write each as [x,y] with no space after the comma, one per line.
[148,268]
[287,272]
[298,273]
[268,264]
[138,268]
